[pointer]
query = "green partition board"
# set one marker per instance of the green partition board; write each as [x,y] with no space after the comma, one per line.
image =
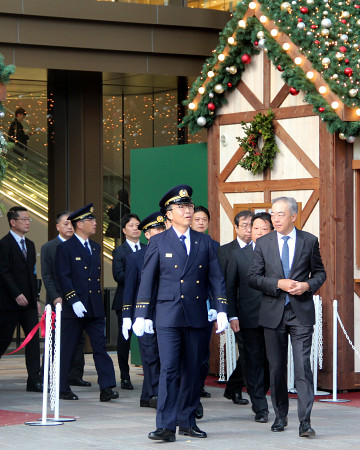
[156,170]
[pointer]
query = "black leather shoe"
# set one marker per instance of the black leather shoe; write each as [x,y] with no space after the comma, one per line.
[126,384]
[144,404]
[68,396]
[162,434]
[193,431]
[279,424]
[34,387]
[262,416]
[305,429]
[199,412]
[79,382]
[204,394]
[108,394]
[236,397]
[153,401]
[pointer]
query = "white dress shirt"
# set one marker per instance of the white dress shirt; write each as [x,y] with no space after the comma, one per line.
[132,245]
[83,242]
[291,243]
[187,240]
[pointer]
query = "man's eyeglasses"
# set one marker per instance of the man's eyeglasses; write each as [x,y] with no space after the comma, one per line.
[183,207]
[24,219]
[280,215]
[245,225]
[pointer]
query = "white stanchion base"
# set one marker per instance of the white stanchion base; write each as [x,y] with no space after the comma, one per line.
[40,424]
[331,400]
[292,391]
[62,419]
[321,393]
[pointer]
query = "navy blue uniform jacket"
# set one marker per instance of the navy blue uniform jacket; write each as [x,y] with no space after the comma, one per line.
[184,281]
[78,273]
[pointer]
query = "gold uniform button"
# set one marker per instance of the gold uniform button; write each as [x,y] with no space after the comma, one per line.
[197,281]
[182,296]
[176,266]
[89,279]
[98,292]
[90,292]
[197,297]
[200,266]
[85,267]
[98,279]
[181,281]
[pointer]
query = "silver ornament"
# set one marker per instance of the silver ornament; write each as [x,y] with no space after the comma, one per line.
[2,114]
[260,35]
[301,25]
[218,88]
[227,69]
[201,121]
[211,95]
[325,32]
[310,2]
[345,14]
[325,61]
[351,139]
[335,76]
[340,56]
[353,93]
[326,23]
[344,37]
[262,43]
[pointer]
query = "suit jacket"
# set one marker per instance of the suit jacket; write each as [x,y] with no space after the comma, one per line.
[266,270]
[243,301]
[225,252]
[17,273]
[118,268]
[48,271]
[183,280]
[78,274]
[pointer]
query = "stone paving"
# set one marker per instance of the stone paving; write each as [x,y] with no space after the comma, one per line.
[122,424]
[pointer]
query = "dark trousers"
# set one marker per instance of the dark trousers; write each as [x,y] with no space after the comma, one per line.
[71,330]
[28,319]
[237,381]
[123,349]
[181,351]
[256,367]
[277,350]
[204,369]
[78,363]
[151,365]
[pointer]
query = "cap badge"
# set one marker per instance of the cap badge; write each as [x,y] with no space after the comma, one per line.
[183,193]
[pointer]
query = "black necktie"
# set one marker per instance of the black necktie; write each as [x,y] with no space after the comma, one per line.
[182,240]
[86,245]
[23,248]
[136,247]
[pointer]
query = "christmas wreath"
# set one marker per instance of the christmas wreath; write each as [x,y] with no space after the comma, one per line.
[259,143]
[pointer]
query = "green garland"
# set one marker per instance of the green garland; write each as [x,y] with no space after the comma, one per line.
[309,40]
[255,159]
[5,72]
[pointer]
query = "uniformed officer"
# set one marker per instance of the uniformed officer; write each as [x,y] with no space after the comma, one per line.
[78,270]
[184,263]
[151,225]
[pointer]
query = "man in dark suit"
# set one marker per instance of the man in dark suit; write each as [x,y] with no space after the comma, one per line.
[18,291]
[78,270]
[236,380]
[129,226]
[288,270]
[185,266]
[151,225]
[243,310]
[53,290]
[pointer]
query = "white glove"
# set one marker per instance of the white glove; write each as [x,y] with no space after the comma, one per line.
[149,329]
[126,326]
[139,326]
[79,309]
[212,315]
[222,322]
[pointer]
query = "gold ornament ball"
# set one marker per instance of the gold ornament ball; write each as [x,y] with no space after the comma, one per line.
[342,136]
[325,32]
[325,61]
[218,89]
[345,14]
[353,93]
[358,22]
[310,2]
[335,76]
[285,6]
[232,70]
[260,35]
[355,45]
[340,56]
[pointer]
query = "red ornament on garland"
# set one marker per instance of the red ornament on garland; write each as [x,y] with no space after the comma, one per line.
[348,71]
[280,69]
[343,20]
[293,91]
[256,43]
[313,26]
[357,6]
[347,61]
[246,58]
[304,10]
[229,85]
[211,107]
[300,19]
[342,49]
[321,109]
[317,42]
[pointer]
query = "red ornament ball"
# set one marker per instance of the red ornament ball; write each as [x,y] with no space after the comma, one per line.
[256,43]
[304,10]
[348,71]
[313,26]
[300,19]
[347,61]
[280,69]
[246,58]
[343,20]
[357,6]
[211,107]
[342,49]
[317,42]
[321,109]
[293,91]
[229,85]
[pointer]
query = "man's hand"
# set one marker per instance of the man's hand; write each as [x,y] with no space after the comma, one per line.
[286,285]
[57,300]
[79,309]
[234,324]
[212,315]
[300,288]
[149,328]
[222,322]
[21,300]
[139,326]
[126,326]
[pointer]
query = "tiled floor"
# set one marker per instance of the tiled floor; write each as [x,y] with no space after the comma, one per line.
[122,424]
